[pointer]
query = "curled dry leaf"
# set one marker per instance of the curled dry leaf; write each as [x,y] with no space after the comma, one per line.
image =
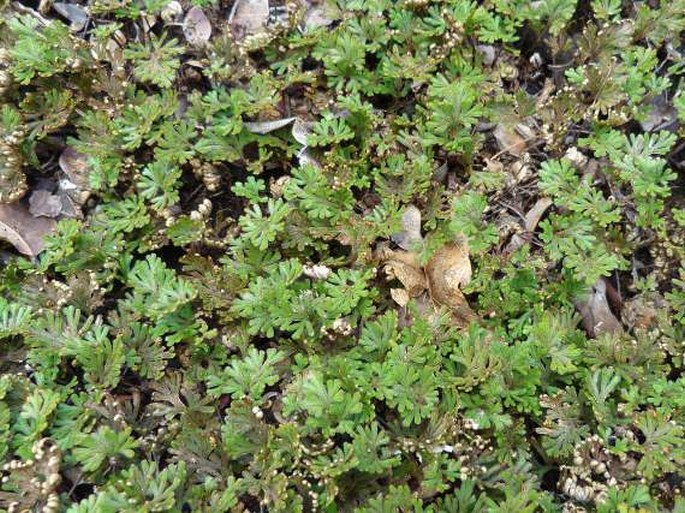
[277,187]
[578,159]
[196,27]
[264,127]
[411,229]
[404,265]
[304,157]
[25,232]
[518,172]
[69,207]
[596,315]
[248,17]
[44,204]
[536,212]
[447,271]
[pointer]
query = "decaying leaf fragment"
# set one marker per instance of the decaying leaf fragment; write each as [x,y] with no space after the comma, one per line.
[301,130]
[447,271]
[404,265]
[44,204]
[74,189]
[248,17]
[594,309]
[400,296]
[75,166]
[443,276]
[196,27]
[264,127]
[25,232]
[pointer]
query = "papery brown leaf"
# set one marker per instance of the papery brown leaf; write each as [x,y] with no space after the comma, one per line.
[70,206]
[404,265]
[74,190]
[400,296]
[196,27]
[596,315]
[25,232]
[446,272]
[449,269]
[44,204]
[264,127]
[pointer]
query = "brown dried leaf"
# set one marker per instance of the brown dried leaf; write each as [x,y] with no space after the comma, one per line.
[248,17]
[405,266]
[400,296]
[69,207]
[447,271]
[509,139]
[44,204]
[75,166]
[22,230]
[596,315]
[196,27]
[264,127]
[534,215]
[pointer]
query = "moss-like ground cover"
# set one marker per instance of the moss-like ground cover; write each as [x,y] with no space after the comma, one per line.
[365,256]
